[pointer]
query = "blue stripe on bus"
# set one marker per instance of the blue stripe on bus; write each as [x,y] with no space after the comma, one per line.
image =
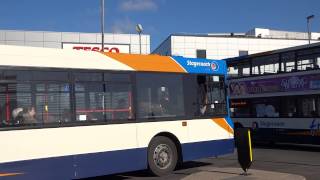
[104,163]
[78,166]
[197,150]
[111,162]
[49,168]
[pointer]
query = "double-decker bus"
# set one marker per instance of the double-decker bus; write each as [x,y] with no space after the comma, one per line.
[277,94]
[70,114]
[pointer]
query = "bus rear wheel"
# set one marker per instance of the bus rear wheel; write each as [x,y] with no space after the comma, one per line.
[162,156]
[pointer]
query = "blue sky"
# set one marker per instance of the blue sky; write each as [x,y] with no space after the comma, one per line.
[159,17]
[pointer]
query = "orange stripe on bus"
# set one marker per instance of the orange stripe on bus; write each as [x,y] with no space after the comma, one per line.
[147,62]
[9,174]
[222,123]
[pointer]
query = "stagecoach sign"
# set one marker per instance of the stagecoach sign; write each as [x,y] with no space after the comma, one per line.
[116,48]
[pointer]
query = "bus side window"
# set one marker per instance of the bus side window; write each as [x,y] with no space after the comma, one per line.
[159,96]
[121,101]
[202,94]
[211,96]
[14,97]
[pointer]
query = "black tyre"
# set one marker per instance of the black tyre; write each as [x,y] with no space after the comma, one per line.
[162,156]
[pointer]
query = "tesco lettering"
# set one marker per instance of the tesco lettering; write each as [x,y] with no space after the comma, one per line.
[114,48]
[88,48]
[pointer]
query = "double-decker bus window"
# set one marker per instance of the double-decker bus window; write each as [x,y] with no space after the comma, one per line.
[289,107]
[237,70]
[240,108]
[265,65]
[243,69]
[288,62]
[308,106]
[305,63]
[266,107]
[305,106]
[233,71]
[159,95]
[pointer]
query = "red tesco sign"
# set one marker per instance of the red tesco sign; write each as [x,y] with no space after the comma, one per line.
[96,48]
[114,48]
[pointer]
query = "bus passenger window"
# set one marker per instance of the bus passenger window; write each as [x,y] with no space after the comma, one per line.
[89,101]
[211,97]
[14,98]
[202,94]
[121,102]
[17,117]
[159,95]
[29,116]
[52,102]
[121,113]
[103,101]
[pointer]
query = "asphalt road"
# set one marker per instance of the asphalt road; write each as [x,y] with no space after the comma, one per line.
[293,159]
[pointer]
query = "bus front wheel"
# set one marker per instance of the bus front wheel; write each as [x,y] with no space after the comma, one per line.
[162,156]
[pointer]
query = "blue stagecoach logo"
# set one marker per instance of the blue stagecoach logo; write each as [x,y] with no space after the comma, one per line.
[198,65]
[195,64]
[214,66]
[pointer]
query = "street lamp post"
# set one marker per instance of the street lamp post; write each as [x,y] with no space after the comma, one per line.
[308,26]
[102,25]
[139,29]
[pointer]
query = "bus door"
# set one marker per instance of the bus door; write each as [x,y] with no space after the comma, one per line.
[160,106]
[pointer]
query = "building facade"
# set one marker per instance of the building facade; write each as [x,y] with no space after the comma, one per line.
[123,43]
[221,46]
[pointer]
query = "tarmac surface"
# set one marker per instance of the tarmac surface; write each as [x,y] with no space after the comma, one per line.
[211,173]
[283,162]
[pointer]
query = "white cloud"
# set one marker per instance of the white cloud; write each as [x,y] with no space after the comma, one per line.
[123,26]
[138,5]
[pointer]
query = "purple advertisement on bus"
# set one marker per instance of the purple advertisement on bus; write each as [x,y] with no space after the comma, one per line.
[279,84]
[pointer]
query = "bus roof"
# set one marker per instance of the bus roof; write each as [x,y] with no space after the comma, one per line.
[19,56]
[240,59]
